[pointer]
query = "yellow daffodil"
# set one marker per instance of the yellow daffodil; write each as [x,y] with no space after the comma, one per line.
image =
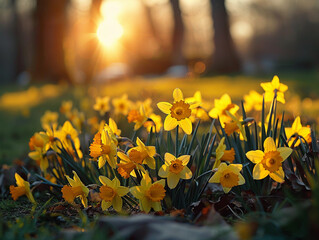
[111,193]
[178,113]
[298,130]
[270,161]
[198,112]
[77,119]
[148,194]
[147,105]
[113,127]
[274,87]
[66,107]
[103,149]
[102,105]
[77,189]
[70,140]
[221,106]
[157,120]
[143,154]
[48,119]
[234,125]
[228,176]
[38,143]
[130,162]
[23,188]
[175,169]
[122,105]
[253,101]
[95,124]
[222,154]
[138,117]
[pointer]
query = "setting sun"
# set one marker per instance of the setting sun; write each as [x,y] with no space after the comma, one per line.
[109,32]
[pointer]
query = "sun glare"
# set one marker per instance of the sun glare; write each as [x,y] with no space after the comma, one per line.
[109,32]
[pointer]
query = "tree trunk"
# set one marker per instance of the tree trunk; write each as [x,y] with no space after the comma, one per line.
[90,59]
[50,26]
[178,34]
[225,58]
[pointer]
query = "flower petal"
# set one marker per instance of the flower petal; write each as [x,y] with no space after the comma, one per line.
[20,181]
[259,172]
[172,180]
[165,107]
[163,171]
[122,191]
[117,203]
[255,156]
[177,95]
[186,125]
[186,173]
[105,205]
[284,152]
[278,176]
[105,181]
[157,206]
[269,145]
[145,204]
[136,192]
[226,190]
[169,158]
[184,159]
[170,123]
[150,161]
[241,179]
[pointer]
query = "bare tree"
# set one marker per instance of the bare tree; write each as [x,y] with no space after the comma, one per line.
[225,58]
[50,26]
[178,34]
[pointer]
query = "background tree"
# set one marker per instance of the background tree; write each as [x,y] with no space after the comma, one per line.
[50,23]
[225,58]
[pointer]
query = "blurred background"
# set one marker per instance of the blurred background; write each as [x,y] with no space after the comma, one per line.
[81,41]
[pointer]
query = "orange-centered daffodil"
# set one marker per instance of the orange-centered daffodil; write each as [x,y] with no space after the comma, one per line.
[103,148]
[111,193]
[221,106]
[175,169]
[102,105]
[222,154]
[23,188]
[228,176]
[297,130]
[270,161]
[77,189]
[178,112]
[148,194]
[274,87]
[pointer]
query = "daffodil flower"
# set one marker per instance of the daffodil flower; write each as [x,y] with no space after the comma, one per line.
[122,105]
[221,106]
[113,127]
[253,100]
[111,193]
[222,154]
[228,176]
[234,125]
[157,120]
[198,112]
[274,87]
[178,113]
[270,161]
[130,162]
[138,117]
[102,105]
[70,140]
[77,189]
[148,194]
[175,169]
[143,154]
[298,130]
[23,188]
[103,149]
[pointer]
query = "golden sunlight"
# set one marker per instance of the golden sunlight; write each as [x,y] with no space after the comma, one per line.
[109,32]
